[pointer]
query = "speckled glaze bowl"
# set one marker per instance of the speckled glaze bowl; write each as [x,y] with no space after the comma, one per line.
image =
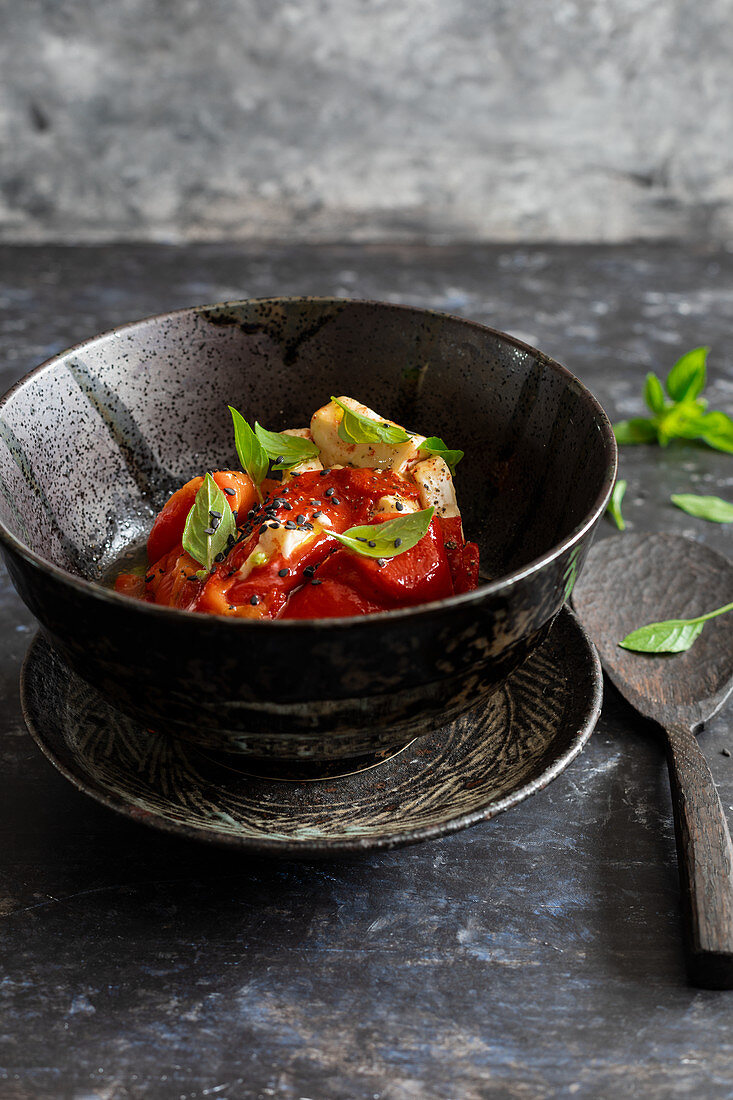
[94,440]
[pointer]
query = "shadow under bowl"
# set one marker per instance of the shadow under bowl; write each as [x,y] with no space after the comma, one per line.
[93,442]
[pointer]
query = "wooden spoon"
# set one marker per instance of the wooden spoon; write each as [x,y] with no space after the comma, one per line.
[628,581]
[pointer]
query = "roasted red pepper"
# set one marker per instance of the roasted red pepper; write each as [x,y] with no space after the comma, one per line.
[287,564]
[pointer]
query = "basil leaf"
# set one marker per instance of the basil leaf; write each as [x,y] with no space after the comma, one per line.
[614,505]
[687,422]
[357,428]
[686,417]
[387,539]
[252,454]
[209,524]
[711,508]
[716,429]
[670,636]
[687,377]
[654,394]
[637,430]
[290,449]
[435,446]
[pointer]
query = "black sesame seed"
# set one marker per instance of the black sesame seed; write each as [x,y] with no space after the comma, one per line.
[229,492]
[215,523]
[300,518]
[254,600]
[399,505]
[274,526]
[371,543]
[316,515]
[398,542]
[287,506]
[215,515]
[218,557]
[323,473]
[291,525]
[278,461]
[335,500]
[330,492]
[306,527]
[209,530]
[309,570]
[315,503]
[283,572]
[263,528]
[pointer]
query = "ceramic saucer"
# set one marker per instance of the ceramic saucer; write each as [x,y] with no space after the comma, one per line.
[471,770]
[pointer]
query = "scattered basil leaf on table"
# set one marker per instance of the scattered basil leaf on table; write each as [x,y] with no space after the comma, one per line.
[614,505]
[671,635]
[637,430]
[711,508]
[252,454]
[654,394]
[687,378]
[209,525]
[685,415]
[387,539]
[357,428]
[433,445]
[290,450]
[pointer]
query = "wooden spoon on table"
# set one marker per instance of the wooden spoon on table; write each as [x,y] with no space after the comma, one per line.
[628,581]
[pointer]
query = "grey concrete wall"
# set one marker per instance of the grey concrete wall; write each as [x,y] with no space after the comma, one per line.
[366,119]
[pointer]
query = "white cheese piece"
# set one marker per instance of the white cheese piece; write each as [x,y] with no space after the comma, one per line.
[433,479]
[308,464]
[278,542]
[389,504]
[380,456]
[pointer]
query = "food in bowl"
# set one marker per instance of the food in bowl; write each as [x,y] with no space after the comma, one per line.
[350,516]
[94,442]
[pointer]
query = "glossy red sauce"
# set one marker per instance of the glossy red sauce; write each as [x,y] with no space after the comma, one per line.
[322,579]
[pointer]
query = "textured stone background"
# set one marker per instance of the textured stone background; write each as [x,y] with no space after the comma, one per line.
[565,120]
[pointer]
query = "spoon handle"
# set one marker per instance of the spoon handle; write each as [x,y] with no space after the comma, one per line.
[705,858]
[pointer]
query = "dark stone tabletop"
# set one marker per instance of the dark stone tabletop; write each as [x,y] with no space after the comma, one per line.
[537,955]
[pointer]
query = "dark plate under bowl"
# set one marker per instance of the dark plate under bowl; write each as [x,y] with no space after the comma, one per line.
[93,442]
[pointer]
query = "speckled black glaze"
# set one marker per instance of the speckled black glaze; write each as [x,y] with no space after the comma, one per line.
[504,750]
[93,441]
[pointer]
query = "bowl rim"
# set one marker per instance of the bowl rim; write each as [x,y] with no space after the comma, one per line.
[491,588]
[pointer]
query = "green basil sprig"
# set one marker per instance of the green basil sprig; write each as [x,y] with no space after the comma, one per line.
[357,428]
[684,415]
[614,505]
[209,525]
[285,450]
[670,636]
[433,445]
[252,455]
[387,539]
[712,508]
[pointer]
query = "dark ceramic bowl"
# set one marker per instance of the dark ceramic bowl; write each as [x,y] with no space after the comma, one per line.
[93,441]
